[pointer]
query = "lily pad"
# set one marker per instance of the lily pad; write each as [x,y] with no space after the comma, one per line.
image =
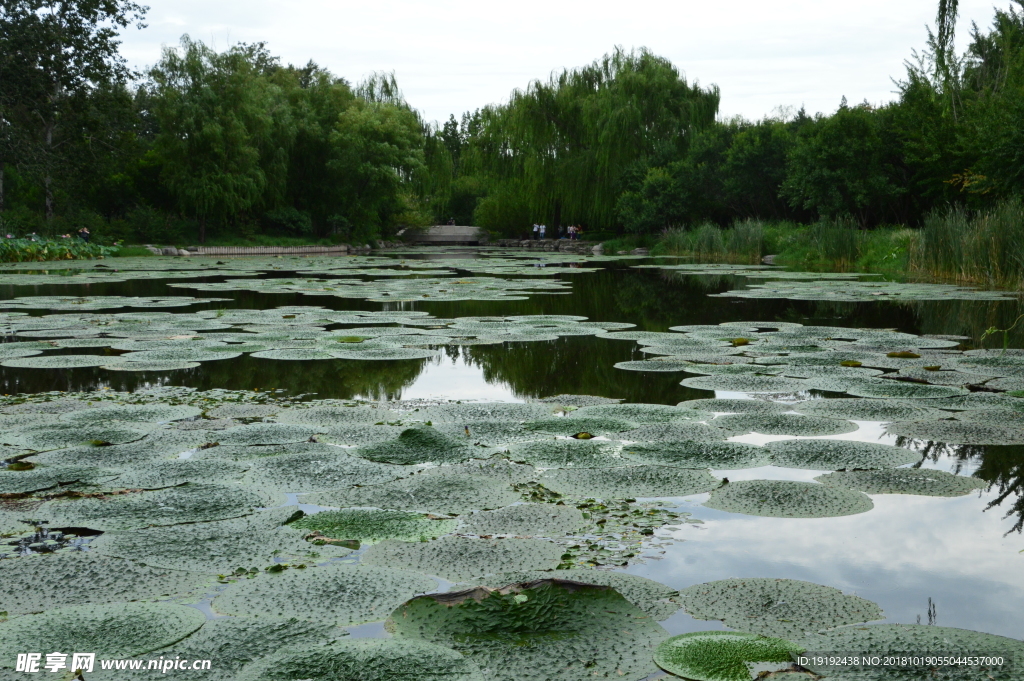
[568,453]
[629,482]
[61,361]
[570,427]
[776,607]
[372,525]
[637,413]
[747,384]
[49,477]
[462,558]
[166,365]
[86,578]
[426,493]
[191,503]
[358,593]
[267,434]
[730,406]
[720,655]
[419,446]
[838,455]
[783,424]
[787,499]
[959,432]
[217,547]
[110,630]
[525,520]
[864,409]
[366,659]
[141,413]
[920,481]
[550,630]
[316,467]
[59,435]
[690,454]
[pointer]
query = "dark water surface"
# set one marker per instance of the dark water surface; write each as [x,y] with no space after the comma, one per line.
[958,552]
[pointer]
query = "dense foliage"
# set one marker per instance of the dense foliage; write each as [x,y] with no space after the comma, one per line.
[235,145]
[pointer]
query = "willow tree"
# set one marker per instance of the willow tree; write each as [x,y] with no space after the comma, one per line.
[564,143]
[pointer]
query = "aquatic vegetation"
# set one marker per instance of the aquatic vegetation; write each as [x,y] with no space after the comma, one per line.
[371,525]
[551,629]
[80,578]
[787,499]
[959,432]
[359,593]
[786,608]
[568,453]
[721,655]
[921,481]
[691,454]
[461,558]
[783,424]
[217,547]
[367,660]
[110,629]
[421,445]
[525,520]
[838,455]
[629,482]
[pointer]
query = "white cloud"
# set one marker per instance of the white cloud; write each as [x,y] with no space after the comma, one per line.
[455,55]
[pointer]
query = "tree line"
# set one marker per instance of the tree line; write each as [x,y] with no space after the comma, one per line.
[208,144]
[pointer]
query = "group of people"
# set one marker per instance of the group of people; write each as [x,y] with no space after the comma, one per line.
[572,232]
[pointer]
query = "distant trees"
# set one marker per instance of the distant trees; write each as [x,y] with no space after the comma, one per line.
[211,143]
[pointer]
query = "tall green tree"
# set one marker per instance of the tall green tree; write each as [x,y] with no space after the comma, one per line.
[57,52]
[224,129]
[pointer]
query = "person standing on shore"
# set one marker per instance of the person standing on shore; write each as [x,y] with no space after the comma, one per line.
[536,231]
[543,228]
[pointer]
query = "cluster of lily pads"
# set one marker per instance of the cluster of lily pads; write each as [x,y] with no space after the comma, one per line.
[162,341]
[924,387]
[475,531]
[826,286]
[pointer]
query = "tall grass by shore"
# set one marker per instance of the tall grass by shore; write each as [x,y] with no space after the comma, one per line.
[953,245]
[41,249]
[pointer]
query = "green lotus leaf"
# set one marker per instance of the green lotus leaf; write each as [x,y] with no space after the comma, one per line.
[675,432]
[267,434]
[920,481]
[373,525]
[461,558]
[629,482]
[959,432]
[638,413]
[568,453]
[720,655]
[730,406]
[837,455]
[160,474]
[690,454]
[490,411]
[654,598]
[294,354]
[151,366]
[320,414]
[365,659]
[747,384]
[787,499]
[110,630]
[58,435]
[427,492]
[776,607]
[48,477]
[576,400]
[61,361]
[191,503]
[217,547]
[141,413]
[419,446]
[525,520]
[863,409]
[358,593]
[235,642]
[783,424]
[87,578]
[320,467]
[158,444]
[570,427]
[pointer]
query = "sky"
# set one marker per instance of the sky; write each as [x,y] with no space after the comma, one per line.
[451,56]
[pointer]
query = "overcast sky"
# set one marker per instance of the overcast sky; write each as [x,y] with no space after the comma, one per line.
[452,56]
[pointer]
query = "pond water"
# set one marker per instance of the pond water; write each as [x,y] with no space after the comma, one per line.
[952,561]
